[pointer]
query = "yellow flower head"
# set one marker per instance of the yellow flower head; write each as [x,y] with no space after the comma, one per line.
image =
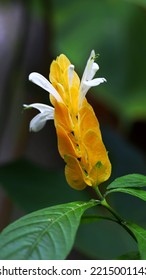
[79,138]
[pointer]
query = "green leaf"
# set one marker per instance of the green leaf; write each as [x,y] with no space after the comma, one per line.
[103,240]
[129,181]
[130,256]
[135,192]
[140,235]
[45,234]
[94,218]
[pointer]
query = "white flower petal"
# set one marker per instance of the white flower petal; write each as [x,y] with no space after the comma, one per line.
[94,82]
[94,69]
[89,66]
[41,107]
[38,122]
[41,81]
[87,79]
[70,74]
[91,73]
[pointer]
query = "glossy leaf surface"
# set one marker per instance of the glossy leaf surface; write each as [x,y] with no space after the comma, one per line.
[140,234]
[128,181]
[45,234]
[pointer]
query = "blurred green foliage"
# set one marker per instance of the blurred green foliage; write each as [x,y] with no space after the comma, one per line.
[33,187]
[117,31]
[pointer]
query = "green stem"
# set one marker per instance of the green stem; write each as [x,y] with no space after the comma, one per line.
[99,194]
[118,218]
[112,211]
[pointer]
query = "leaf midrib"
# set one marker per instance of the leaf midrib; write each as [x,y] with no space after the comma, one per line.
[41,234]
[48,226]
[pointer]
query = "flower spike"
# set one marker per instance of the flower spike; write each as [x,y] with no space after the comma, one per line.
[79,138]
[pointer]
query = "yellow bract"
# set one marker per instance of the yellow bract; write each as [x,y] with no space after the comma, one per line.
[60,80]
[79,138]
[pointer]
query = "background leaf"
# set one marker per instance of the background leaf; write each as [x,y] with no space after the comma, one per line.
[33,187]
[112,29]
[130,256]
[140,235]
[129,181]
[45,234]
[103,240]
[135,192]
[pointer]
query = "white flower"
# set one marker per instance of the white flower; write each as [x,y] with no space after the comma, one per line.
[41,81]
[39,121]
[47,112]
[87,82]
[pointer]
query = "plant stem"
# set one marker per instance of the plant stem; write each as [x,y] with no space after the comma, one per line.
[118,218]
[112,211]
[99,194]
